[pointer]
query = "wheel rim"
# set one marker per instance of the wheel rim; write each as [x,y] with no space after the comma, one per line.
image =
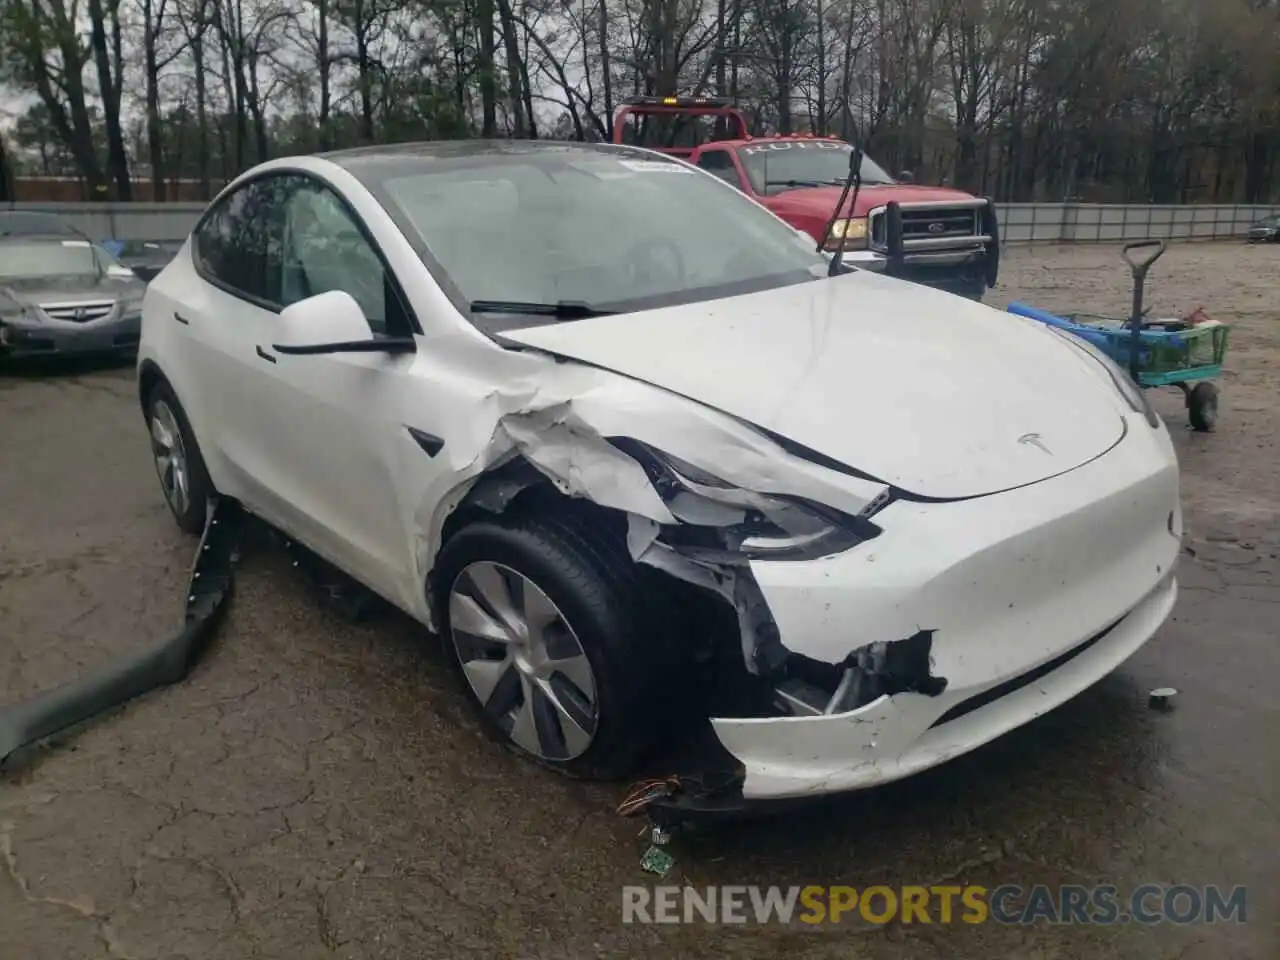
[170,456]
[523,661]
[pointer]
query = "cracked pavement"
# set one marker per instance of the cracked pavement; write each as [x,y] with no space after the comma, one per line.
[319,790]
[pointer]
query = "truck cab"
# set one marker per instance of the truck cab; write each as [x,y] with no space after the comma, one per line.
[937,236]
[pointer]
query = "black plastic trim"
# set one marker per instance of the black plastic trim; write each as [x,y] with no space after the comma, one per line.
[208,595]
[429,442]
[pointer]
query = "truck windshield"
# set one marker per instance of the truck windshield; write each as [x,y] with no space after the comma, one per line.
[613,231]
[777,165]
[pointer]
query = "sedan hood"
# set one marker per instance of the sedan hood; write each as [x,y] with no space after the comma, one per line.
[70,288]
[935,394]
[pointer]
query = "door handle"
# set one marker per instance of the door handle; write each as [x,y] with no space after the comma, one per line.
[181,319]
[265,356]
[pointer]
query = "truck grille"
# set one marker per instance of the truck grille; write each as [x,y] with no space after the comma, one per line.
[81,312]
[934,223]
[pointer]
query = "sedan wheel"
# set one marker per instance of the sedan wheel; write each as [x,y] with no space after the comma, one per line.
[523,661]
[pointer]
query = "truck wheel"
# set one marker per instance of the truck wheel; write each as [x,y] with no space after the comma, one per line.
[546,621]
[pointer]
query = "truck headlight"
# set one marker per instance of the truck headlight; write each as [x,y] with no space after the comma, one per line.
[852,234]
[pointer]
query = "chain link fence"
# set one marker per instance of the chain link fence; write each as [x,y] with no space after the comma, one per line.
[1020,223]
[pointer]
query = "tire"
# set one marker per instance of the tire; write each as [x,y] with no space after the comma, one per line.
[584,570]
[188,510]
[972,291]
[1202,407]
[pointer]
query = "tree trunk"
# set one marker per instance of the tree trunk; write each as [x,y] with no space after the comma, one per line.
[117,158]
[511,45]
[605,69]
[488,82]
[324,66]
[155,135]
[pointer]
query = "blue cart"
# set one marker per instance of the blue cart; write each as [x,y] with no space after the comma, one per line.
[1160,353]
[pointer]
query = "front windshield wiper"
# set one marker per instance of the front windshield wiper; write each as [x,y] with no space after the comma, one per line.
[560,310]
[798,183]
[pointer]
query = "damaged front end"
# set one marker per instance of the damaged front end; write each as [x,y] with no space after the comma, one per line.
[704,530]
[837,632]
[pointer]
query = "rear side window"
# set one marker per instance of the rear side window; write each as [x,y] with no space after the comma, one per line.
[240,236]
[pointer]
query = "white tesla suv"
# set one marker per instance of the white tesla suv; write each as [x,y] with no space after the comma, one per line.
[609,428]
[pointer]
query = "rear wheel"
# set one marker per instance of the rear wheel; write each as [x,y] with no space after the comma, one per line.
[184,481]
[1202,407]
[545,619]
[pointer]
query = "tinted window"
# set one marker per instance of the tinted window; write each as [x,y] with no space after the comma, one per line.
[324,250]
[241,234]
[614,229]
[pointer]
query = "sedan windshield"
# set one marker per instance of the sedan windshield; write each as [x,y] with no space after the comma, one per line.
[778,165]
[587,231]
[48,258]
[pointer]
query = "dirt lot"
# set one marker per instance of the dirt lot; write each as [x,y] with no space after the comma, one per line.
[318,790]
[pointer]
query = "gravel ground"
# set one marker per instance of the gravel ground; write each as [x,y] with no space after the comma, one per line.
[318,790]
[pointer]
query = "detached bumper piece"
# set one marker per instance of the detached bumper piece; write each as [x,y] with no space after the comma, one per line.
[208,595]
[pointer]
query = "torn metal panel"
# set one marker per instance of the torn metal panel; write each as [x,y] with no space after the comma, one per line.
[581,463]
[565,431]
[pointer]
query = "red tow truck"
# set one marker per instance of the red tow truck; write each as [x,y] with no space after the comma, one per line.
[932,235]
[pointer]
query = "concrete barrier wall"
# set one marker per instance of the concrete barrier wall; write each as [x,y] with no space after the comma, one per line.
[1019,222]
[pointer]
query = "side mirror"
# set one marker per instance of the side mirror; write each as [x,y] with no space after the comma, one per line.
[906,176]
[331,322]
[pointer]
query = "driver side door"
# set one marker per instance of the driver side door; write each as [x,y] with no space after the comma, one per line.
[336,442]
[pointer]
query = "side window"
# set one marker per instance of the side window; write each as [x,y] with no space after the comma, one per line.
[240,234]
[721,164]
[323,249]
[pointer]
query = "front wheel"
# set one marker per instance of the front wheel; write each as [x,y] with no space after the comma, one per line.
[184,481]
[1202,407]
[544,618]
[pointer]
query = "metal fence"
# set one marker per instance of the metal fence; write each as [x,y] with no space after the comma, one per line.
[1019,222]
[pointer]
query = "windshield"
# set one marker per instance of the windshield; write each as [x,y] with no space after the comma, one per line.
[775,166]
[616,230]
[49,258]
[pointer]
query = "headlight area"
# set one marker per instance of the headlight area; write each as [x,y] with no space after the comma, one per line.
[1133,394]
[850,234]
[720,523]
[746,669]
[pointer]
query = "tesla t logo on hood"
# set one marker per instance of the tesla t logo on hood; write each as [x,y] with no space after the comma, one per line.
[1033,440]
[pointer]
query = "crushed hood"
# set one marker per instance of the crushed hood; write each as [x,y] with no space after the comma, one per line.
[935,394]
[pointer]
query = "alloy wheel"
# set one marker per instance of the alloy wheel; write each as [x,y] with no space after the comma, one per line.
[523,661]
[170,456]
